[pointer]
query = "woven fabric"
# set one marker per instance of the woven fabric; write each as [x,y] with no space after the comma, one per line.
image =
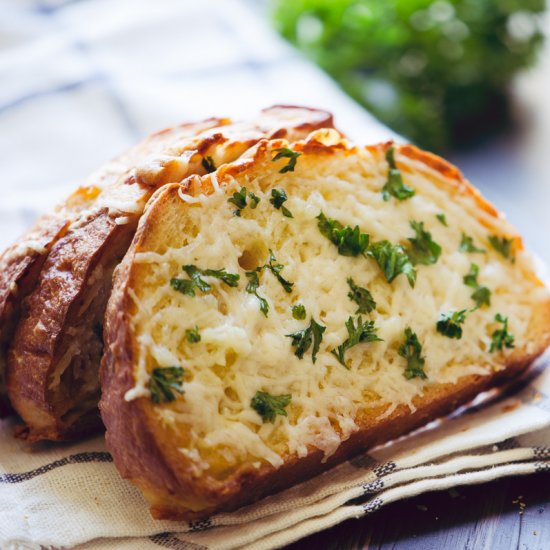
[81,81]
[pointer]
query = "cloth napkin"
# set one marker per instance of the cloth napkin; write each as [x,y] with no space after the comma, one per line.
[81,81]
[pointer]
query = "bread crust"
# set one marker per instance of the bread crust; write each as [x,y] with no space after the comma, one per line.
[140,447]
[98,238]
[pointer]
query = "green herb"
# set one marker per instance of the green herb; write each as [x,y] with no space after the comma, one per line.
[278,197]
[303,339]
[269,406]
[361,296]
[239,200]
[442,219]
[471,278]
[449,323]
[423,249]
[393,260]
[188,286]
[299,312]
[252,288]
[276,269]
[394,185]
[357,334]
[501,338]
[285,152]
[503,246]
[350,242]
[482,296]
[467,245]
[411,350]
[208,164]
[164,381]
[193,335]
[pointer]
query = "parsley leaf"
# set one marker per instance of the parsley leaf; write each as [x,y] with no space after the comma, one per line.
[501,338]
[276,270]
[285,152]
[503,246]
[269,406]
[164,381]
[393,260]
[361,296]
[188,286]
[362,333]
[467,245]
[350,242]
[193,335]
[411,350]
[299,312]
[239,200]
[449,323]
[208,164]
[442,219]
[278,197]
[394,185]
[482,296]
[303,339]
[252,288]
[471,278]
[423,249]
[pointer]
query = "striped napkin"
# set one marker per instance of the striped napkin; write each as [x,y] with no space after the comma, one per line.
[83,80]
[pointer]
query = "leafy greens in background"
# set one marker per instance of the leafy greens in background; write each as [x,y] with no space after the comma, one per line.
[435,71]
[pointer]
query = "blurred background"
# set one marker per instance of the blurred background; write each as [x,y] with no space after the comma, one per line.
[81,80]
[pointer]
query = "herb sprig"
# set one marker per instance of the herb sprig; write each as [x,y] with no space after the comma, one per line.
[269,406]
[239,199]
[501,338]
[411,350]
[361,296]
[503,246]
[423,249]
[393,260]
[395,186]
[359,332]
[278,198]
[195,274]
[292,156]
[302,340]
[164,381]
[481,294]
[349,241]
[449,323]
[467,245]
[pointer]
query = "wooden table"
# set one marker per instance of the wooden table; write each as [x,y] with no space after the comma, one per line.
[507,514]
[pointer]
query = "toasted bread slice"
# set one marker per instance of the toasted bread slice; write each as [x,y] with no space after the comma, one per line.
[218,390]
[20,264]
[53,362]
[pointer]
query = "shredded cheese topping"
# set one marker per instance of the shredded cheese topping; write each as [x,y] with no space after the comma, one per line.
[241,351]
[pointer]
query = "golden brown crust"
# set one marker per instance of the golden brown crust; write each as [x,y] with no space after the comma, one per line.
[140,446]
[50,404]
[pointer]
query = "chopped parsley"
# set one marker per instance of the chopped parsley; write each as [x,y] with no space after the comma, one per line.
[193,335]
[303,339]
[449,323]
[269,406]
[208,164]
[292,156]
[423,249]
[357,334]
[188,286]
[164,381]
[411,350]
[239,199]
[394,185]
[481,295]
[467,245]
[393,260]
[299,312]
[441,217]
[350,241]
[276,269]
[252,288]
[503,246]
[278,198]
[501,338]
[361,296]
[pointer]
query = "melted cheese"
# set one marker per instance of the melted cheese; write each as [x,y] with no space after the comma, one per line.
[241,351]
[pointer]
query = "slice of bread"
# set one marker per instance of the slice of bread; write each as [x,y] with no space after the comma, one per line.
[218,389]
[53,362]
